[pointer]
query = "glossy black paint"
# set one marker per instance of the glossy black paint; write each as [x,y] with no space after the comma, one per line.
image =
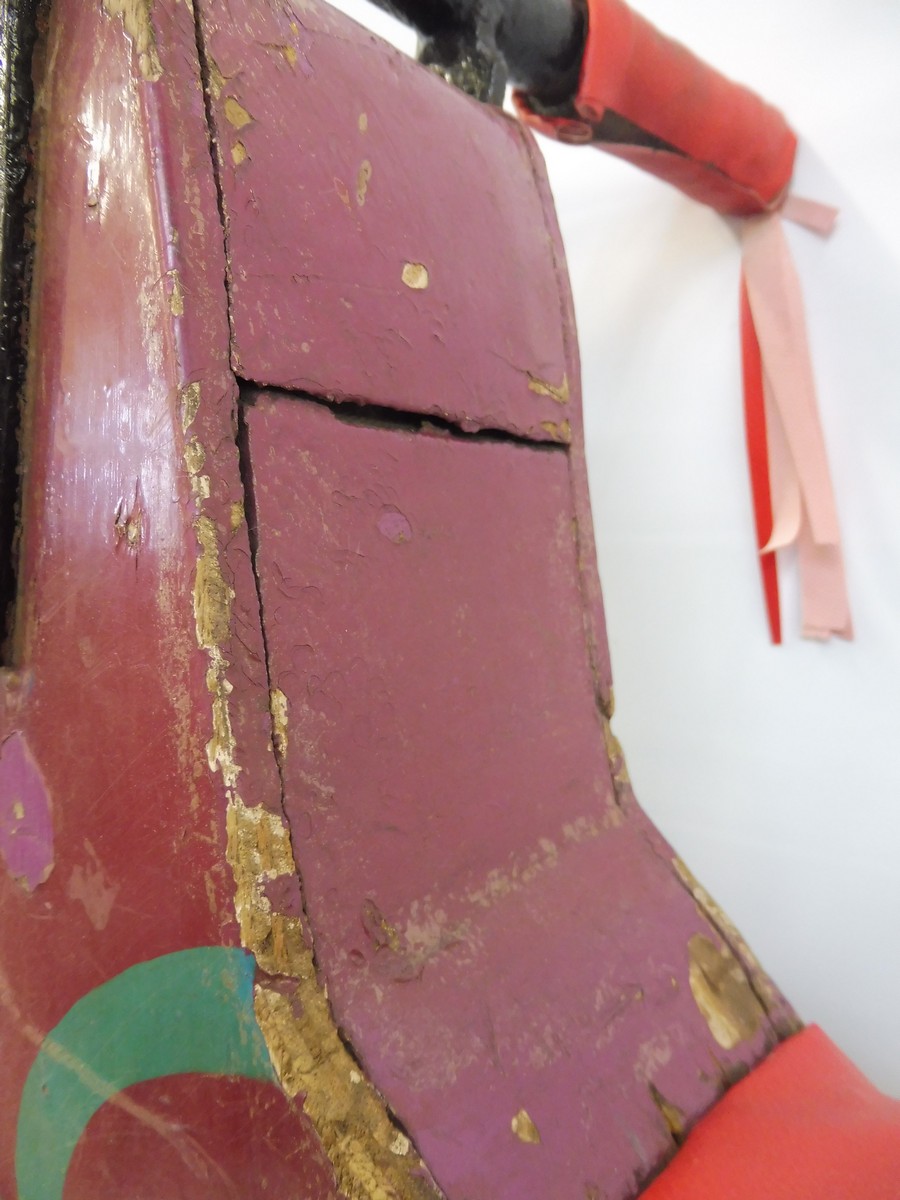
[482,44]
[17,37]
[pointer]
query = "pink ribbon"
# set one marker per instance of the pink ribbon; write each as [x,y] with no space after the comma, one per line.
[802,498]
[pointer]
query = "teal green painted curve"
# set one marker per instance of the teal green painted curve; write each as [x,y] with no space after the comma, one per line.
[191,1011]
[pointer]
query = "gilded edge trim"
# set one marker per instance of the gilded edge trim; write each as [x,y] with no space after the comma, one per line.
[135,16]
[372,1158]
[762,985]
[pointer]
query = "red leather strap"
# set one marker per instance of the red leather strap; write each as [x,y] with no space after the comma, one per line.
[729,149]
[805,1125]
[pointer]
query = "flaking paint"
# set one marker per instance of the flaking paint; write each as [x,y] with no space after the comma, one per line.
[557,392]
[722,993]
[135,16]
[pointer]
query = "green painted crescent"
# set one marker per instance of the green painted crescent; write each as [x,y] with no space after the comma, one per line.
[185,1012]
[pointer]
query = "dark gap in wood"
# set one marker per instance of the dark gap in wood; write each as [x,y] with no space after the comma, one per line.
[379,416]
[18,38]
[212,144]
[719,921]
[245,466]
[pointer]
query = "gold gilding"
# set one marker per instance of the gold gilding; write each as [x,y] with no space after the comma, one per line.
[525,1129]
[558,393]
[560,431]
[235,113]
[616,756]
[212,595]
[723,993]
[672,1115]
[359,1137]
[363,175]
[415,276]
[135,16]
[190,402]
[176,295]
[371,1157]
[278,706]
[716,915]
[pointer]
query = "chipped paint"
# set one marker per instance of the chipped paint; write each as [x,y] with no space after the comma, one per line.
[176,294]
[400,1145]
[278,707]
[306,1050]
[200,486]
[616,756]
[415,276]
[560,431]
[558,393]
[215,80]
[378,928]
[212,596]
[716,915]
[343,192]
[91,887]
[652,1055]
[128,526]
[259,849]
[238,153]
[363,123]
[236,114]
[672,1115]
[363,175]
[194,456]
[236,517]
[189,396]
[138,25]
[723,993]
[525,1129]
[350,1118]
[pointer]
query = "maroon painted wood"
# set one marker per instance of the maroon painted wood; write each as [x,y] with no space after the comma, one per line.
[496,932]
[213,1153]
[107,701]
[446,305]
[344,168]
[405,696]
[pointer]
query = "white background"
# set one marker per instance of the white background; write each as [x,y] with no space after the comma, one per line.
[775,772]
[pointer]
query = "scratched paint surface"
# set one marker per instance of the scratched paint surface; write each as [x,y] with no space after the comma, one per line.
[506,949]
[210,1153]
[129,381]
[200,1020]
[391,241]
[140,681]
[386,237]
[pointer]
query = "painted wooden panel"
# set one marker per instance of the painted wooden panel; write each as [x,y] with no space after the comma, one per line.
[493,915]
[513,959]
[343,167]
[120,949]
[388,238]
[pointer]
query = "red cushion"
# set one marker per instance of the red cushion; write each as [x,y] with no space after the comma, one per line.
[805,1125]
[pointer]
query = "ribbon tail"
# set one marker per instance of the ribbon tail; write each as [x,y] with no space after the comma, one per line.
[758,461]
[823,589]
[804,510]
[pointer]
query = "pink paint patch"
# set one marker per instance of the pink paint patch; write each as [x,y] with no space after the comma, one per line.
[395,526]
[26,827]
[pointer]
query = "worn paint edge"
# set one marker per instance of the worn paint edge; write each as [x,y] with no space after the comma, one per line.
[309,1056]
[767,994]
[722,993]
[98,1050]
[135,16]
